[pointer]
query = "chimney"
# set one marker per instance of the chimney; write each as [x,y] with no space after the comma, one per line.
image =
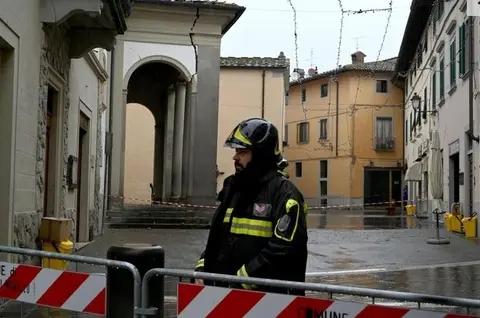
[358,57]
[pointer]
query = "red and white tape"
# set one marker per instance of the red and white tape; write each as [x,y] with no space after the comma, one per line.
[186,205]
[195,301]
[66,290]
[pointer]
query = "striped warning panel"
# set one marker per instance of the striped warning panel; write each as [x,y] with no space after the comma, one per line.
[79,292]
[195,301]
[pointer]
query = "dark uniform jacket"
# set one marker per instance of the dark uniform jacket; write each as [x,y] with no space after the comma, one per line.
[263,234]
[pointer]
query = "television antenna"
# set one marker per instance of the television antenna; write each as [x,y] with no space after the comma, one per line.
[357,47]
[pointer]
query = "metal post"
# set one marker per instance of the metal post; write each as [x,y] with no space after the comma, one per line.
[438,240]
[120,296]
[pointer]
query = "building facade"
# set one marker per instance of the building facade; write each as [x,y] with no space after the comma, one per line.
[249,87]
[261,94]
[52,86]
[344,134]
[169,62]
[437,66]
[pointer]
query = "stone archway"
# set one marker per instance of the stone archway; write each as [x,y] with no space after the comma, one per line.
[161,59]
[163,86]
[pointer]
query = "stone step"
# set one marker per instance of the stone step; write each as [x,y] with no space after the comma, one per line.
[158,219]
[153,214]
[153,225]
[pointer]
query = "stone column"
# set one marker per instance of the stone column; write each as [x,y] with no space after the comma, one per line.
[115,200]
[168,144]
[158,160]
[178,139]
[186,143]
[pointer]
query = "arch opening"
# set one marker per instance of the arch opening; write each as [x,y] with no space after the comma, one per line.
[157,139]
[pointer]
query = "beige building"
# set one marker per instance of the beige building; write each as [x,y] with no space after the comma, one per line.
[344,134]
[249,87]
[53,96]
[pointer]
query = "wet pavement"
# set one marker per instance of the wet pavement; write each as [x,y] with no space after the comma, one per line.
[354,248]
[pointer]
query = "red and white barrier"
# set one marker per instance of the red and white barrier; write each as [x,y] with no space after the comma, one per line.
[66,290]
[195,301]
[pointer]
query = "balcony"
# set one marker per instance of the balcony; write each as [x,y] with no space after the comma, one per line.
[90,24]
[384,144]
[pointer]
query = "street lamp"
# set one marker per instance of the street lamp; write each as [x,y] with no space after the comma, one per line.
[416,101]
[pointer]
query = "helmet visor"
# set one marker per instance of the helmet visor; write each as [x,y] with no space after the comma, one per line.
[237,139]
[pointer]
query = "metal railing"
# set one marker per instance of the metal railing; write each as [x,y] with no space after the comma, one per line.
[330,290]
[137,279]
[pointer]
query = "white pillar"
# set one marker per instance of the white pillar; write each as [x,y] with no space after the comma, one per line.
[168,145]
[186,142]
[178,140]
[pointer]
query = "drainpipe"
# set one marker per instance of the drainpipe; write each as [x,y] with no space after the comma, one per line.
[470,132]
[263,93]
[337,106]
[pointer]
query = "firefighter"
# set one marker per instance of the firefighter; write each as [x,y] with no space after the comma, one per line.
[259,229]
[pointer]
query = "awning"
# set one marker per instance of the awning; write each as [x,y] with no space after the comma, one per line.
[414,173]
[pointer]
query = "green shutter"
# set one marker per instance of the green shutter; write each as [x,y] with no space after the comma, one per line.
[462,49]
[453,64]
[434,91]
[442,79]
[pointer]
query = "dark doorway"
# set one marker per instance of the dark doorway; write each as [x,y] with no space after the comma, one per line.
[470,183]
[82,159]
[455,176]
[397,191]
[49,136]
[376,186]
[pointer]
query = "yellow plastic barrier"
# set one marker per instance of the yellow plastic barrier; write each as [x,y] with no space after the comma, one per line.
[470,227]
[411,209]
[447,221]
[456,223]
[64,247]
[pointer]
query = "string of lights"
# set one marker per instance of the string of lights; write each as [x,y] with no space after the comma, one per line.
[294,12]
[350,109]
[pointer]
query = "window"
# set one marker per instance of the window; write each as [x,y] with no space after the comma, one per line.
[462,50]
[434,90]
[285,136]
[323,188]
[425,43]
[442,78]
[439,9]
[323,169]
[298,169]
[324,90]
[425,105]
[304,95]
[412,124]
[287,99]
[384,134]
[381,86]
[302,133]
[323,128]
[406,132]
[453,64]
[323,182]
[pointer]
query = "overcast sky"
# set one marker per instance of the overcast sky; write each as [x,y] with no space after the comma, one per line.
[267,27]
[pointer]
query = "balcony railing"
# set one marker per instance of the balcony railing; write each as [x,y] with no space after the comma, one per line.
[384,144]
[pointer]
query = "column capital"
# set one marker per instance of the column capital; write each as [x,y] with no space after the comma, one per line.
[125,91]
[171,87]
